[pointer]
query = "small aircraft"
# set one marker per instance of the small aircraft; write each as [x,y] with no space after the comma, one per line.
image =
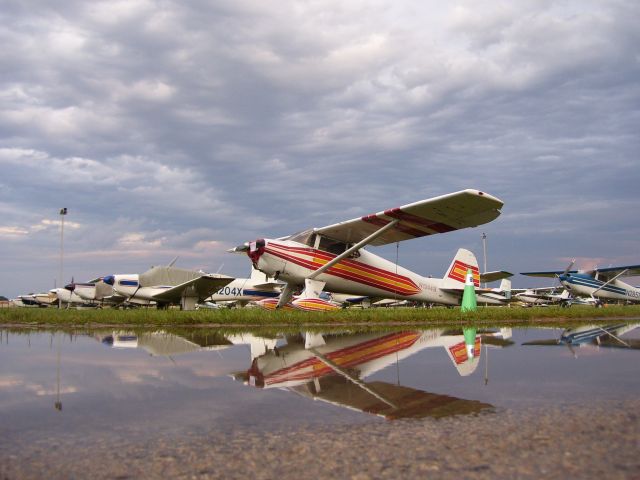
[333,257]
[244,290]
[38,299]
[167,285]
[543,296]
[333,368]
[68,296]
[601,284]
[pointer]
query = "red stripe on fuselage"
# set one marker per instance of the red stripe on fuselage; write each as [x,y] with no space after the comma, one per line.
[410,289]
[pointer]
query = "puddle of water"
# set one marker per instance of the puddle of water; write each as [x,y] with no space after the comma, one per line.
[140,384]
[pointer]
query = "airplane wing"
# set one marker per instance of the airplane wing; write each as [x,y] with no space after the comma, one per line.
[607,273]
[488,277]
[204,287]
[269,286]
[454,211]
[550,274]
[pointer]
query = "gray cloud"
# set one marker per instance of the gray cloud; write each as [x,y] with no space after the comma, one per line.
[187,127]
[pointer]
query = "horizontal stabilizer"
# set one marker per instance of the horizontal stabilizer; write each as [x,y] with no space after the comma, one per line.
[488,277]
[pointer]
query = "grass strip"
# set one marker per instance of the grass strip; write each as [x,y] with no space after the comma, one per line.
[516,316]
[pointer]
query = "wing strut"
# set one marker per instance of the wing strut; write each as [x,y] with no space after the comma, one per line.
[355,247]
[336,368]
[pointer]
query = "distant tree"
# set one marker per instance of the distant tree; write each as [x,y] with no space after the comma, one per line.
[3,299]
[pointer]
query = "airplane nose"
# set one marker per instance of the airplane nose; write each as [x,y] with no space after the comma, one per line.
[240,248]
[109,280]
[256,249]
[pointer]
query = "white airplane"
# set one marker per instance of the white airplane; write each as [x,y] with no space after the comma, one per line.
[601,284]
[543,296]
[333,367]
[333,257]
[167,285]
[38,299]
[68,296]
[244,290]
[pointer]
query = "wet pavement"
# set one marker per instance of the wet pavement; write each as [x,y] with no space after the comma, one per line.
[445,403]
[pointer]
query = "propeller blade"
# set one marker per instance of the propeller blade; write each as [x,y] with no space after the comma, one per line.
[566,270]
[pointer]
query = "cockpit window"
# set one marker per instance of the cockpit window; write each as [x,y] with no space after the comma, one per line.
[332,246]
[307,237]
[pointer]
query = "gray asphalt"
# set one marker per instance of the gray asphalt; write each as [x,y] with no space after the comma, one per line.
[581,441]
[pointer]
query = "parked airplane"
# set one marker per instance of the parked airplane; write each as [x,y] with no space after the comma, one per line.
[68,296]
[333,257]
[543,296]
[601,283]
[244,290]
[333,367]
[168,285]
[38,299]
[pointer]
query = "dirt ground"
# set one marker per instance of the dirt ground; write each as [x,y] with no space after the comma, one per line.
[581,441]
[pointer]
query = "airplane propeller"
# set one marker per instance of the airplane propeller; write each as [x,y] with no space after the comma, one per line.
[564,274]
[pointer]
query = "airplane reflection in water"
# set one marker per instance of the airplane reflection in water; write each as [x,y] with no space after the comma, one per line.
[594,336]
[164,344]
[332,368]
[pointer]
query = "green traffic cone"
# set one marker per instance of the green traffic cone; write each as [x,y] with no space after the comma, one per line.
[469,303]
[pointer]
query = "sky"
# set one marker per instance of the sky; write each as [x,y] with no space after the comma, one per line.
[184,128]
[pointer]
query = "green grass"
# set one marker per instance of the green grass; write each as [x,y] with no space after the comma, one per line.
[257,317]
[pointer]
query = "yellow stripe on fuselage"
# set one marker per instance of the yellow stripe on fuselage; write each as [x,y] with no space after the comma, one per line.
[372,276]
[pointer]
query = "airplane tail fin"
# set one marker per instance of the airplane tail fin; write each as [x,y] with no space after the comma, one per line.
[505,288]
[455,276]
[259,276]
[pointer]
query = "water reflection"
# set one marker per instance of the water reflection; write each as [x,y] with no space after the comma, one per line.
[586,336]
[353,376]
[333,368]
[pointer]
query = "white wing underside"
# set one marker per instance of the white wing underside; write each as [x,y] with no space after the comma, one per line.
[454,211]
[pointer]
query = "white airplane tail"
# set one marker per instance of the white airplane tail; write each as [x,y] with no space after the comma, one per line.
[505,288]
[259,276]
[454,277]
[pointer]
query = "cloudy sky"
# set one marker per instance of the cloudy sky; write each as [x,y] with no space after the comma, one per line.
[186,127]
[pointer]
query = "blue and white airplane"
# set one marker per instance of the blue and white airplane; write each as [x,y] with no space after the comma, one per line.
[603,284]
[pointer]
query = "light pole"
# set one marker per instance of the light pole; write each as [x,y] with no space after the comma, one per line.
[63,213]
[484,251]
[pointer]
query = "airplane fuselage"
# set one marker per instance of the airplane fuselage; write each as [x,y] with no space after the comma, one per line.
[364,274]
[128,285]
[587,285]
[243,290]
